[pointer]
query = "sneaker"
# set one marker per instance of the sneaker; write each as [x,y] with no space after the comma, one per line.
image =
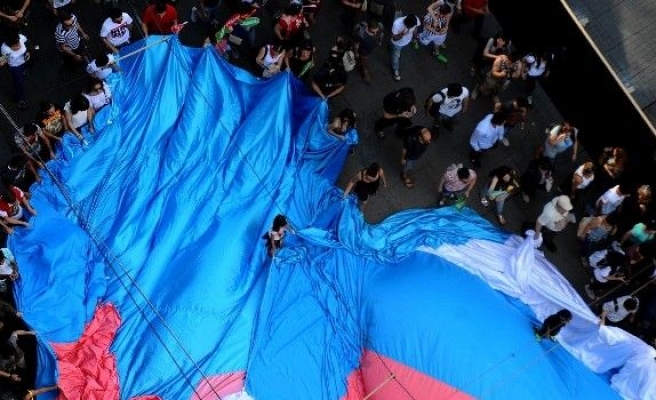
[443,46]
[588,291]
[505,141]
[442,58]
[397,76]
[530,100]
[194,14]
[441,203]
[485,202]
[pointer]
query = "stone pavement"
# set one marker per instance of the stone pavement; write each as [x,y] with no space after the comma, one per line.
[419,71]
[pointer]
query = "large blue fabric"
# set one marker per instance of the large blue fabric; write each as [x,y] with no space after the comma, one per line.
[162,215]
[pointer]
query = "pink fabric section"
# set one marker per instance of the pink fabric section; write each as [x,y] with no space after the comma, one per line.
[87,369]
[217,386]
[375,371]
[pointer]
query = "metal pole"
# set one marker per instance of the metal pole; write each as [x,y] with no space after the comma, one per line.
[379,387]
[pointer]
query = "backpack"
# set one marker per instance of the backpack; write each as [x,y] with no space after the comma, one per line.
[432,107]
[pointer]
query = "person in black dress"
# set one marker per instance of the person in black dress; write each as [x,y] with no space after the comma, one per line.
[366,183]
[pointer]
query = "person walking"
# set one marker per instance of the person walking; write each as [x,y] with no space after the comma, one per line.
[366,183]
[487,135]
[446,105]
[554,218]
[415,145]
[398,107]
[15,55]
[404,31]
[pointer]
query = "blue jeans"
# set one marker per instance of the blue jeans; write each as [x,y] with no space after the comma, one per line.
[499,201]
[395,51]
[18,78]
[409,166]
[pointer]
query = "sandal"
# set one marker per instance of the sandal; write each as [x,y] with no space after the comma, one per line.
[501,219]
[408,182]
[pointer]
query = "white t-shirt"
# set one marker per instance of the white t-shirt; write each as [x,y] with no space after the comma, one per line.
[551,218]
[615,309]
[79,118]
[585,180]
[99,100]
[537,67]
[60,3]
[100,73]
[15,58]
[611,200]
[451,105]
[399,27]
[117,34]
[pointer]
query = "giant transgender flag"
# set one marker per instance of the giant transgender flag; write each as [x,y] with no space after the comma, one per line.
[146,277]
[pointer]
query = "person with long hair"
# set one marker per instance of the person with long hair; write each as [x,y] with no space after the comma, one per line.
[366,183]
[78,113]
[276,234]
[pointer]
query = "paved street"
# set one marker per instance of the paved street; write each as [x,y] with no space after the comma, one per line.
[419,71]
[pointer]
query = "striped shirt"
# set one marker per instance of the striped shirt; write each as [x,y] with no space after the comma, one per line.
[70,37]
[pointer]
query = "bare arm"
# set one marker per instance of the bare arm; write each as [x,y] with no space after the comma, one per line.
[382,178]
[69,122]
[357,178]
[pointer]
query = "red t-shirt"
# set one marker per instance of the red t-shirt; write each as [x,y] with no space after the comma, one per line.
[160,23]
[11,210]
[473,4]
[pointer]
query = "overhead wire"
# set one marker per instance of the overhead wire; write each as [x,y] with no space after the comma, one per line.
[106,253]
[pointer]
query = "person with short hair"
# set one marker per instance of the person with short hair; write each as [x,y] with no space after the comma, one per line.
[102,66]
[70,39]
[455,181]
[436,27]
[616,312]
[404,31]
[554,218]
[15,54]
[446,105]
[516,114]
[367,37]
[159,18]
[553,324]
[398,107]
[415,144]
[488,133]
[115,30]
[612,198]
[366,183]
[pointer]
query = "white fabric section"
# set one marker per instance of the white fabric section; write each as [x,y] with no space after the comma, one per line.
[238,396]
[517,269]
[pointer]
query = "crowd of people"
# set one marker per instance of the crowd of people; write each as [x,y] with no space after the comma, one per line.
[614,212]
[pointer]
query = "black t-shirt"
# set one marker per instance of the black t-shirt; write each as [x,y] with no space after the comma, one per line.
[329,78]
[367,42]
[413,144]
[400,101]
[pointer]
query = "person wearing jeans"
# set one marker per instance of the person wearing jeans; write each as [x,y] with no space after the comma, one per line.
[15,55]
[404,31]
[502,184]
